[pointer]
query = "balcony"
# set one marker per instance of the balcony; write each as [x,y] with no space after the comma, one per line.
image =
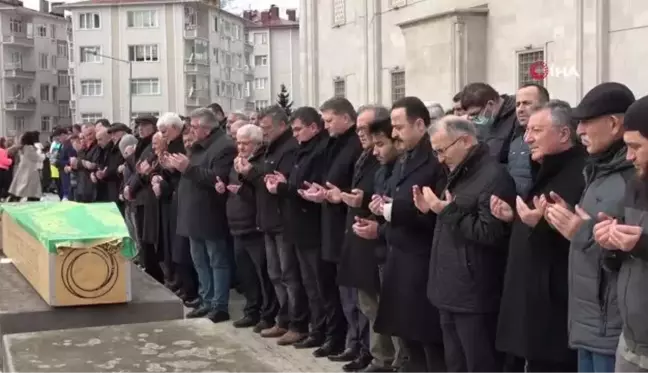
[15,71]
[248,73]
[196,68]
[22,105]
[248,47]
[18,40]
[197,97]
[196,32]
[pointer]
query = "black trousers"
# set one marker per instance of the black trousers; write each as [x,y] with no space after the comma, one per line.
[424,357]
[285,275]
[251,268]
[469,342]
[185,274]
[13,198]
[310,263]
[336,325]
[148,255]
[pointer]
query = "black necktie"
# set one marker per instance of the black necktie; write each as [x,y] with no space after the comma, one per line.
[403,161]
[359,165]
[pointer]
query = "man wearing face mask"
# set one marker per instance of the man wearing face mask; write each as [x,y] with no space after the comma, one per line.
[493,115]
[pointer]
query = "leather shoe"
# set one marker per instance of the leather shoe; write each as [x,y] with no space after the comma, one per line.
[198,312]
[310,342]
[274,332]
[291,337]
[218,316]
[329,348]
[262,325]
[360,363]
[245,322]
[194,303]
[349,354]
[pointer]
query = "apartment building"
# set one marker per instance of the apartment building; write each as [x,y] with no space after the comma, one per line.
[275,61]
[152,56]
[35,91]
[376,51]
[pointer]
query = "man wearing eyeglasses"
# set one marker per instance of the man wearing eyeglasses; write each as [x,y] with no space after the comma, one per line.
[469,247]
[493,116]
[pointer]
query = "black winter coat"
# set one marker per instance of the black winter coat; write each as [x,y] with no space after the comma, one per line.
[470,244]
[279,156]
[241,207]
[108,187]
[86,190]
[499,134]
[302,219]
[201,210]
[404,309]
[358,266]
[342,153]
[533,314]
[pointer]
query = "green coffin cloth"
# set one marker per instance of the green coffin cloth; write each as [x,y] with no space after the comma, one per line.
[57,224]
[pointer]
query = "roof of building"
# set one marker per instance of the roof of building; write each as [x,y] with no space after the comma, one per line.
[21,9]
[101,3]
[270,18]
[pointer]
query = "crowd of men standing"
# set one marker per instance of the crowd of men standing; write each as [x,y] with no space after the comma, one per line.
[505,236]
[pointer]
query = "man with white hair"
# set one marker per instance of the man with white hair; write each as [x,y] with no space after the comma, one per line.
[234,127]
[201,211]
[261,305]
[181,275]
[467,295]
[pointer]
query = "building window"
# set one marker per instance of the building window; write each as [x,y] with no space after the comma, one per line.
[339,88]
[89,21]
[41,31]
[16,26]
[261,104]
[53,31]
[53,64]
[63,79]
[90,54]
[397,3]
[19,124]
[18,91]
[397,85]
[44,92]
[339,12]
[248,88]
[16,61]
[261,60]
[62,48]
[64,109]
[216,55]
[90,117]
[91,87]
[143,53]
[216,23]
[260,38]
[142,18]
[54,93]
[526,61]
[46,123]
[217,91]
[43,61]
[197,51]
[260,83]
[145,87]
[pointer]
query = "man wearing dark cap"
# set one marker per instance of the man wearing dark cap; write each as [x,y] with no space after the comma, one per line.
[594,319]
[137,190]
[623,235]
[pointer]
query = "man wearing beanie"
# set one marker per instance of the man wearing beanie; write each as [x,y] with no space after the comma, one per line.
[594,319]
[623,235]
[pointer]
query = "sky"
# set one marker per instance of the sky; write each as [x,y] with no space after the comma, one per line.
[236,6]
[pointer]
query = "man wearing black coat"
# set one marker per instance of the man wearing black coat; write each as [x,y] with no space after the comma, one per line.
[469,247]
[138,190]
[358,268]
[302,218]
[261,304]
[493,115]
[106,176]
[533,313]
[404,310]
[292,320]
[201,211]
[85,163]
[342,152]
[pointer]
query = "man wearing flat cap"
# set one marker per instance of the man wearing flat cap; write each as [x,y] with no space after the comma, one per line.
[622,234]
[594,319]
